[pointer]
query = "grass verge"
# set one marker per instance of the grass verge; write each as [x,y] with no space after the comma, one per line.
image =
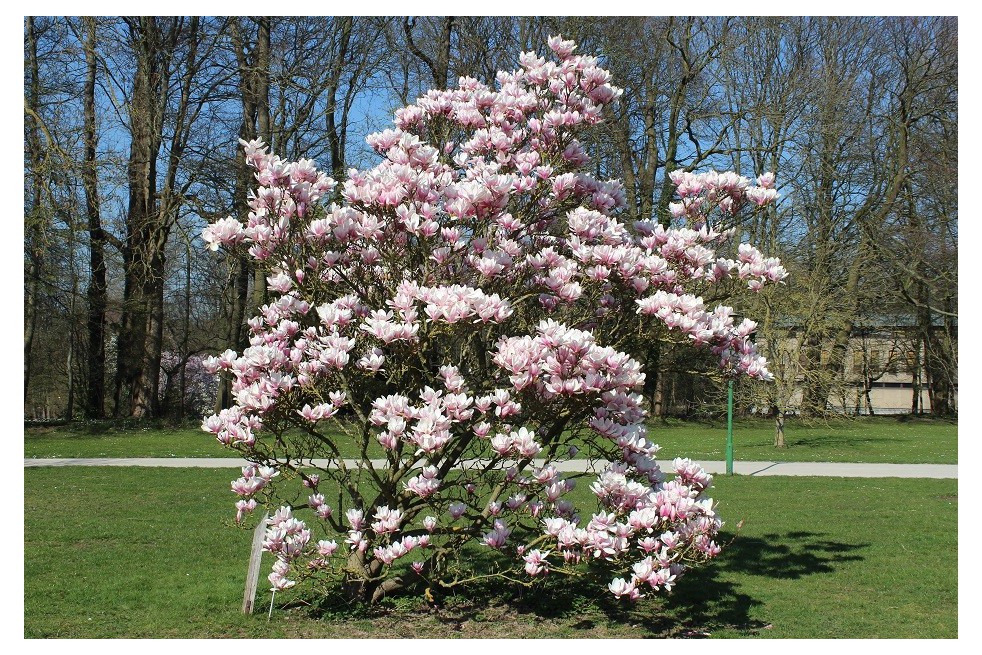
[868,439]
[881,439]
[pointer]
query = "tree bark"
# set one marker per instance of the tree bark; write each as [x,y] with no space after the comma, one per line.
[335,132]
[778,427]
[254,86]
[32,275]
[438,64]
[143,261]
[95,399]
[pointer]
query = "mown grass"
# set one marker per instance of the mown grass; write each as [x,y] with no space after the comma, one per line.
[151,553]
[867,439]
[880,439]
[120,440]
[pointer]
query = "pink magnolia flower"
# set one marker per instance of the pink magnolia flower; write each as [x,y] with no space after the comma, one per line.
[243,507]
[355,518]
[536,562]
[326,548]
[224,232]
[386,520]
[498,536]
[619,587]
[423,486]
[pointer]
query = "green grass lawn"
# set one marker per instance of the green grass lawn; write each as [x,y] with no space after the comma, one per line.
[106,440]
[873,439]
[882,439]
[150,553]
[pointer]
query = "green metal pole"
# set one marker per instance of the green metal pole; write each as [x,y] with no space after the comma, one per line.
[729,430]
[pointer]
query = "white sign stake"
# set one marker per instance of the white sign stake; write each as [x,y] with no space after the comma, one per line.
[252,577]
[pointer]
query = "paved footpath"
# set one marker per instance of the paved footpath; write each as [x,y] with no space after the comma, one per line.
[827,469]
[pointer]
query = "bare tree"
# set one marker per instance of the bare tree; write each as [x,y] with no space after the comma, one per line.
[97,288]
[130,138]
[33,210]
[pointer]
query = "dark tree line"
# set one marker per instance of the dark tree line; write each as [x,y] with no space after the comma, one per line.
[130,147]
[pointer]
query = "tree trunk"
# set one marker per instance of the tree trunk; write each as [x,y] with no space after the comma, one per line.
[32,275]
[835,366]
[778,427]
[235,328]
[937,363]
[335,132]
[439,64]
[70,364]
[142,264]
[915,381]
[155,330]
[185,345]
[815,393]
[659,392]
[263,130]
[95,399]
[254,86]
[443,61]
[152,212]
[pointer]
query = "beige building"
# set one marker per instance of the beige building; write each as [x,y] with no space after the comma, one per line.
[883,374]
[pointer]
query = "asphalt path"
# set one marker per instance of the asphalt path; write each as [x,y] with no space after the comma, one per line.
[823,469]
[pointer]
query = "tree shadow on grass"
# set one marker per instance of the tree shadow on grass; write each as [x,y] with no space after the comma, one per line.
[789,556]
[702,603]
[826,440]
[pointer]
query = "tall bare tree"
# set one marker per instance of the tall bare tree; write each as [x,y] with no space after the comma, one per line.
[95,401]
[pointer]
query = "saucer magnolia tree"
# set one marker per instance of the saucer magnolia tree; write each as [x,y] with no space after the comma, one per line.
[461,320]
